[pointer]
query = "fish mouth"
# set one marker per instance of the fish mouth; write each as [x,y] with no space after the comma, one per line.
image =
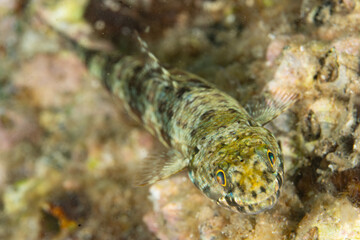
[238,204]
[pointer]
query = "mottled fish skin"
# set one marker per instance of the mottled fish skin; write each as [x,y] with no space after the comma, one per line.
[224,149]
[209,129]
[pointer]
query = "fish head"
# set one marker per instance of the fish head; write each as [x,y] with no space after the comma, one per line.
[243,172]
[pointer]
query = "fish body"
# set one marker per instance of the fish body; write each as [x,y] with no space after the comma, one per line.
[228,153]
[230,157]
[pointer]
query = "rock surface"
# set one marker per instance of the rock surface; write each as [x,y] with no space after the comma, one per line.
[69,154]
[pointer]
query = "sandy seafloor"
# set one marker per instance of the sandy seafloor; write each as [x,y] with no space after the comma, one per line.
[69,153]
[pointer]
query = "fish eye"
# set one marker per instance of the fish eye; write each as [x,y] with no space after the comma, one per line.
[221,178]
[271,157]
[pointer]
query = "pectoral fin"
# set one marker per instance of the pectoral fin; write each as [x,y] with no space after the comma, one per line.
[271,105]
[160,167]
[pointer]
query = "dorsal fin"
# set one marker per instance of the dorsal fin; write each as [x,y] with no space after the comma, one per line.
[154,62]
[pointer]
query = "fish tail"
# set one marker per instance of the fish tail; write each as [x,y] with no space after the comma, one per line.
[98,55]
[99,63]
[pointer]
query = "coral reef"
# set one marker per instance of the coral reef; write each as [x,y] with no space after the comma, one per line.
[68,155]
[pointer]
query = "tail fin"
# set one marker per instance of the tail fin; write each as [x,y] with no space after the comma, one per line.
[98,55]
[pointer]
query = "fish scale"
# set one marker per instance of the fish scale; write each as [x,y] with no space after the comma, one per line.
[229,155]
